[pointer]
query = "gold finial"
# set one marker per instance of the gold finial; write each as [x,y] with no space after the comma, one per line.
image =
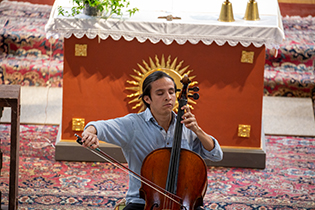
[251,12]
[226,14]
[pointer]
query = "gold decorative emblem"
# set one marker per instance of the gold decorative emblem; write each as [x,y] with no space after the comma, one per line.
[170,67]
[78,124]
[80,50]
[247,57]
[244,131]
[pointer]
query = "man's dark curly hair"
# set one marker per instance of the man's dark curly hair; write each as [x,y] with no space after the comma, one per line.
[146,86]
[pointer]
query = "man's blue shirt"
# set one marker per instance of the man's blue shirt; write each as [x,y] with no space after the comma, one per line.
[139,134]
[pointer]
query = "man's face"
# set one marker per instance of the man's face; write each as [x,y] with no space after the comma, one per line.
[163,96]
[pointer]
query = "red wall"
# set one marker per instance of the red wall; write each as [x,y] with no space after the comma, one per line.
[230,91]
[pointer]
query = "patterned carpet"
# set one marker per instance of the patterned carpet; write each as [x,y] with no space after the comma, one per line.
[287,182]
[26,56]
[290,70]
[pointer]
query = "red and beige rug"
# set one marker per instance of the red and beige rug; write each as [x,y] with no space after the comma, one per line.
[287,182]
[27,58]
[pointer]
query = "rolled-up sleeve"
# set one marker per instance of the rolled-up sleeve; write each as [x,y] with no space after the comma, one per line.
[215,154]
[115,131]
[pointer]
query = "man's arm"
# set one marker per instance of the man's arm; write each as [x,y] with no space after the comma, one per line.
[190,122]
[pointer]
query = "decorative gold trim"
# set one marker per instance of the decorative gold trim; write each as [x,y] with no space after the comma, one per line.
[247,57]
[244,131]
[78,124]
[170,67]
[80,50]
[240,148]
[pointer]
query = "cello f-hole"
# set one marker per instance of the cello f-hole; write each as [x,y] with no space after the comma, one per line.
[154,205]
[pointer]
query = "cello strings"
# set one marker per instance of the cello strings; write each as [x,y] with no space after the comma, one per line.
[136,177]
[175,155]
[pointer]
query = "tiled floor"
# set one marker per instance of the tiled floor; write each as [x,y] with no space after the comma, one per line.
[39,105]
[288,116]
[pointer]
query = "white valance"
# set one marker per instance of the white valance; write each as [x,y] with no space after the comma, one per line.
[197,24]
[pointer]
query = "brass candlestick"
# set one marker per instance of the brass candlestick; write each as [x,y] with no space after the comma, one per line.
[226,14]
[252,11]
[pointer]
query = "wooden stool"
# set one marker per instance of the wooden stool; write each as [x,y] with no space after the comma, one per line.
[10,97]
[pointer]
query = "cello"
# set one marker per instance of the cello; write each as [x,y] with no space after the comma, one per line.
[182,172]
[172,178]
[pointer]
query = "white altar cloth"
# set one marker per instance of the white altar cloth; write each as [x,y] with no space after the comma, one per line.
[199,22]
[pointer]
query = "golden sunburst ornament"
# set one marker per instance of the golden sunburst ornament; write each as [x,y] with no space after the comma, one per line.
[170,67]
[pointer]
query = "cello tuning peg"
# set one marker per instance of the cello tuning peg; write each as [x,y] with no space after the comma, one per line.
[178,90]
[194,96]
[195,89]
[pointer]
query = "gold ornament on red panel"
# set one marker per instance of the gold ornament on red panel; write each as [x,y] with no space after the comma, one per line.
[172,68]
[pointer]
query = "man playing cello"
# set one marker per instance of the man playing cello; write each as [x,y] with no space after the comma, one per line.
[139,134]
